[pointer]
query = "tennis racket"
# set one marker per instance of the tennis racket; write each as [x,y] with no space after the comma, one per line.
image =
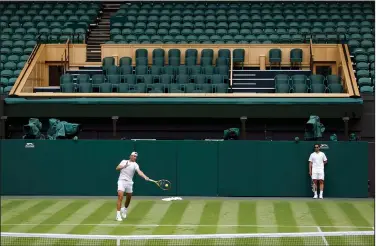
[164,184]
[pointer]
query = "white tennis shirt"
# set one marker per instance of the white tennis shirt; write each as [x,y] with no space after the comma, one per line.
[317,160]
[127,173]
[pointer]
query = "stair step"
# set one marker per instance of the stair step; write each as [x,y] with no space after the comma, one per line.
[253,90]
[100,33]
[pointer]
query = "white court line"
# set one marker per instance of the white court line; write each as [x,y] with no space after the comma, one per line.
[165,225]
[323,237]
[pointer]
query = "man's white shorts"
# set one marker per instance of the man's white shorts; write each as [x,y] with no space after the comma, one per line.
[318,175]
[125,186]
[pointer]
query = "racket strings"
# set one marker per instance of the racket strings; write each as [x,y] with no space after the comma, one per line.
[164,184]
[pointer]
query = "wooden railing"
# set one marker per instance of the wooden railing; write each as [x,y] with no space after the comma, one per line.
[26,67]
[310,54]
[350,69]
[65,57]
[347,84]
[231,68]
[33,73]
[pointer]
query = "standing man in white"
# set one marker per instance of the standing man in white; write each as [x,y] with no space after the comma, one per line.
[127,169]
[317,160]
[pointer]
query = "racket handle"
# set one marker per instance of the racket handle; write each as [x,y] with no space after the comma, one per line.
[151,180]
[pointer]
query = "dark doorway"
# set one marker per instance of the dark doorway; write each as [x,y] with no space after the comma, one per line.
[54,75]
[324,70]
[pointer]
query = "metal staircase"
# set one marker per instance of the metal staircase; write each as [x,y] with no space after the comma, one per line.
[100,33]
[258,81]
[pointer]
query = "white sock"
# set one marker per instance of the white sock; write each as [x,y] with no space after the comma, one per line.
[321,192]
[122,209]
[315,193]
[118,213]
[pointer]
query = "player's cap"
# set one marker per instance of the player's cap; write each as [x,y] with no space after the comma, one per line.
[134,153]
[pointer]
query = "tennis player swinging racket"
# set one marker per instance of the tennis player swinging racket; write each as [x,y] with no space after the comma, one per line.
[127,169]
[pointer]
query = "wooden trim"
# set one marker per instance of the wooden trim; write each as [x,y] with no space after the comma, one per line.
[262,62]
[345,72]
[182,95]
[30,69]
[311,54]
[351,72]
[231,67]
[20,77]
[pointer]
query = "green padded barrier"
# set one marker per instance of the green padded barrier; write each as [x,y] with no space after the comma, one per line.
[157,159]
[197,168]
[228,168]
[280,168]
[82,168]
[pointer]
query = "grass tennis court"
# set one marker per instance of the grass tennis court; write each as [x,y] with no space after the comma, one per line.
[189,216]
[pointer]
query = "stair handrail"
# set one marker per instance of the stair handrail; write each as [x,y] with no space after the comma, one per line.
[346,54]
[65,56]
[310,54]
[231,68]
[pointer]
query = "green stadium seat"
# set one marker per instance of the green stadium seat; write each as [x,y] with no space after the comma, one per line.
[275,56]
[238,56]
[282,88]
[298,79]
[367,89]
[365,82]
[316,79]
[220,88]
[126,69]
[105,87]
[299,88]
[333,79]
[66,79]
[68,88]
[85,88]
[97,79]
[296,56]
[130,79]
[362,74]
[182,79]
[318,88]
[83,78]
[111,70]
[281,79]
[335,88]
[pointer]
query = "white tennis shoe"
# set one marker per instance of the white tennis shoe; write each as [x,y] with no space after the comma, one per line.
[315,196]
[123,213]
[118,218]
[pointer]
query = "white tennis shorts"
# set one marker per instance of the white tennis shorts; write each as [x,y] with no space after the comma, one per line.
[125,186]
[318,175]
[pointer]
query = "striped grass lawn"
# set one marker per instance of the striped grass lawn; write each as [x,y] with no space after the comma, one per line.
[156,217]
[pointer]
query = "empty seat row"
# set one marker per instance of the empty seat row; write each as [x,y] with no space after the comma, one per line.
[248,5]
[351,33]
[145,78]
[311,80]
[144,88]
[304,88]
[171,70]
[51,6]
[231,11]
[243,17]
[174,58]
[344,27]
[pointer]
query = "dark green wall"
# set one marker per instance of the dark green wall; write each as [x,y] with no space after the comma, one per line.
[195,168]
